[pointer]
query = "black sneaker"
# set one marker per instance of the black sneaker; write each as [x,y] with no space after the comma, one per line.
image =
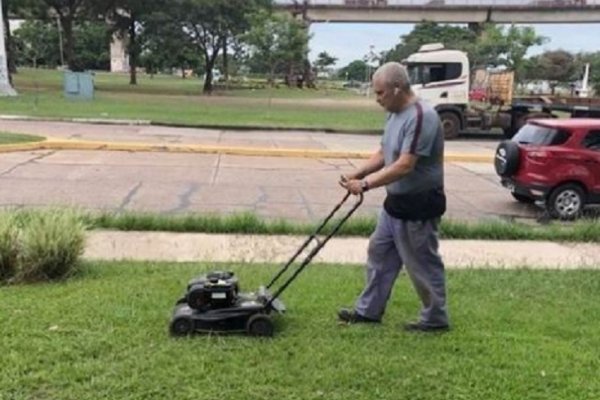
[423,327]
[352,317]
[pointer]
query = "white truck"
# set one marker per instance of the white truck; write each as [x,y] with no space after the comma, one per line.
[442,77]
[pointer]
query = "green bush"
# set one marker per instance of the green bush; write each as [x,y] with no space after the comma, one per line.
[8,247]
[44,245]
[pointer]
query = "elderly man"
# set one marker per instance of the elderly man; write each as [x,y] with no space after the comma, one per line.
[409,164]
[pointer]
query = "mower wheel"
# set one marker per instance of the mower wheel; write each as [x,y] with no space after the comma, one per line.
[181,326]
[260,325]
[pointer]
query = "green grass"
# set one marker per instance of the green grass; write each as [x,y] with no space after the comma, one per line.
[29,78]
[517,334]
[169,100]
[196,111]
[249,223]
[15,138]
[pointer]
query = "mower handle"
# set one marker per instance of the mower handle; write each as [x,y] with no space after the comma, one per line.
[317,248]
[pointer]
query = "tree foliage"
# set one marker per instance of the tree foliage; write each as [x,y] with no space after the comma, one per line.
[493,45]
[37,44]
[208,24]
[68,13]
[277,43]
[355,71]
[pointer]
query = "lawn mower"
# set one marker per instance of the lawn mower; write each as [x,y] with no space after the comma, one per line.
[213,302]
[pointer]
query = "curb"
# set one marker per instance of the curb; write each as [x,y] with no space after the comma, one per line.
[61,144]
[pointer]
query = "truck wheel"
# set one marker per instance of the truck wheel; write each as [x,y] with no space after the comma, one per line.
[506,159]
[260,325]
[450,124]
[566,201]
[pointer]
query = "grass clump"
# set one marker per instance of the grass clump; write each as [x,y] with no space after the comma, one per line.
[40,245]
[359,225]
[15,138]
[8,247]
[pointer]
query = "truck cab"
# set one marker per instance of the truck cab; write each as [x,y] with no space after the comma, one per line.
[441,77]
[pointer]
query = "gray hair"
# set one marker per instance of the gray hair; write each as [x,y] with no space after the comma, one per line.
[393,74]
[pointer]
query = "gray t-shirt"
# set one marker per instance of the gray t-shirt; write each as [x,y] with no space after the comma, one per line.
[417,130]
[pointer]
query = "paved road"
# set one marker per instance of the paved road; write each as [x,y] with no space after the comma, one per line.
[297,188]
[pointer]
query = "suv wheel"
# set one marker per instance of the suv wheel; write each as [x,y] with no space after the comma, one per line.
[566,201]
[506,160]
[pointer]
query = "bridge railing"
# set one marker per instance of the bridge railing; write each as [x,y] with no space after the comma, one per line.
[449,3]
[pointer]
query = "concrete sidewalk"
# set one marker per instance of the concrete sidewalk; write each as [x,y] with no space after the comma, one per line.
[282,143]
[192,247]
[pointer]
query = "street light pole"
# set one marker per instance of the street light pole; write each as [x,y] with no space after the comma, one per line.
[5,87]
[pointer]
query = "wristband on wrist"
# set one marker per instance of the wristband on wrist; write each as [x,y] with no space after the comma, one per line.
[364,185]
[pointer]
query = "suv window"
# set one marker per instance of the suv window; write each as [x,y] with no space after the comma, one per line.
[541,136]
[592,141]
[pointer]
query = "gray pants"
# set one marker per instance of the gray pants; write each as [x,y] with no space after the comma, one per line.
[412,243]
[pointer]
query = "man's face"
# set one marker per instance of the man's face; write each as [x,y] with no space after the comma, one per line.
[385,95]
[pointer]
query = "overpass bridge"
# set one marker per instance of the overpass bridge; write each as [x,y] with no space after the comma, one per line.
[445,11]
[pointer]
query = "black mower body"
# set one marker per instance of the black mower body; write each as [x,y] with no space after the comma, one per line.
[213,303]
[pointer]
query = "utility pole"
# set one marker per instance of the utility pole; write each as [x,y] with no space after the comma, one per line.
[5,88]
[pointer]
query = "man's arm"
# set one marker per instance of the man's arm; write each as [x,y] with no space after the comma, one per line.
[373,164]
[400,168]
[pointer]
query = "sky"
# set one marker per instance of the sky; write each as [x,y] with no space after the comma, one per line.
[352,41]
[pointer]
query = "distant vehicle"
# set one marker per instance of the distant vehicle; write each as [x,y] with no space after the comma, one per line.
[442,77]
[478,94]
[555,163]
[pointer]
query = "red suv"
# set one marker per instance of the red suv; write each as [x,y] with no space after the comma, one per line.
[555,162]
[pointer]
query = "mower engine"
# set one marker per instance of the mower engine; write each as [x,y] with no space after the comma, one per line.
[215,290]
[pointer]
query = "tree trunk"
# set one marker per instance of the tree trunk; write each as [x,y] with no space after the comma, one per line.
[67,27]
[133,52]
[225,60]
[208,86]
[10,59]
[210,64]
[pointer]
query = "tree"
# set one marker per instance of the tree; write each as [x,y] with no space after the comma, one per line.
[324,60]
[165,46]
[37,44]
[12,7]
[354,71]
[277,42]
[557,67]
[518,41]
[208,23]
[126,19]
[93,45]
[67,12]
[496,45]
[453,37]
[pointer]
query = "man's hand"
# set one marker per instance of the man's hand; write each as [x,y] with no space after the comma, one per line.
[354,186]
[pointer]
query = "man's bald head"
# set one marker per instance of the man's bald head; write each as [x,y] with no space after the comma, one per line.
[394,75]
[392,87]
